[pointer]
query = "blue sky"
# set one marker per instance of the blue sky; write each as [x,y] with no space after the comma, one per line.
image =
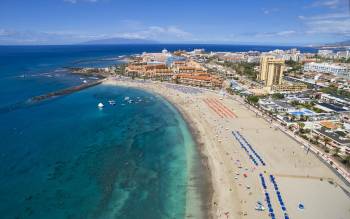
[273,22]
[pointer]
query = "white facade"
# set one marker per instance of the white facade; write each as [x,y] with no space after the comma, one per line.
[337,70]
[325,52]
[343,54]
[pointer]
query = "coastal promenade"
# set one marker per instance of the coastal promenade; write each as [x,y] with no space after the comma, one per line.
[292,177]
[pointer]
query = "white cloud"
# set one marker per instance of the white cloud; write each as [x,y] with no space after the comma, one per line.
[157,33]
[332,4]
[4,33]
[337,27]
[331,24]
[325,16]
[44,37]
[284,33]
[269,11]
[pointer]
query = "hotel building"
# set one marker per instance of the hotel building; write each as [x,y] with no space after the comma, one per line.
[271,71]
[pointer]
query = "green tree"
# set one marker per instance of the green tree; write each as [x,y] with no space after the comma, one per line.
[253,99]
[277,96]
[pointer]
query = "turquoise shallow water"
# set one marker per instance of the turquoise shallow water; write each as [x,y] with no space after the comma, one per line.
[65,158]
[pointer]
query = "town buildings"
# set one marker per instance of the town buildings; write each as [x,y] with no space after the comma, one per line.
[165,66]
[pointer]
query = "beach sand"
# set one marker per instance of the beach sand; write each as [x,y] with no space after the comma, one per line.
[301,177]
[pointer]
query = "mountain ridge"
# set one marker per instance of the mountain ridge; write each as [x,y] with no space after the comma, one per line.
[118,41]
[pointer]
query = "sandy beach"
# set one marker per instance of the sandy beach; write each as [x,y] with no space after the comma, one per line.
[235,181]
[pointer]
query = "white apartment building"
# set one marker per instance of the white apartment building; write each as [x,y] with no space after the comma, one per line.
[338,70]
[343,54]
[325,53]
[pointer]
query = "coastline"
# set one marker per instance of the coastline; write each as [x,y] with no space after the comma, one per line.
[199,187]
[200,175]
[230,194]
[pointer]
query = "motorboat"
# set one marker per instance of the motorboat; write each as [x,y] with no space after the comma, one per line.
[100,105]
[112,102]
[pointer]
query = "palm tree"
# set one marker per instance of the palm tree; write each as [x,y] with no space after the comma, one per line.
[293,118]
[336,151]
[347,160]
[317,138]
[326,141]
[306,118]
[301,125]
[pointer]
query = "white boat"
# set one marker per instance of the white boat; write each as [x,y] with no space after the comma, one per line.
[111,102]
[126,98]
[85,81]
[100,105]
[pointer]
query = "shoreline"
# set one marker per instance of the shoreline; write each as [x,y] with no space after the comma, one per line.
[203,183]
[204,189]
[230,195]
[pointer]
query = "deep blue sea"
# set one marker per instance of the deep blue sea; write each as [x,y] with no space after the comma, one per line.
[65,158]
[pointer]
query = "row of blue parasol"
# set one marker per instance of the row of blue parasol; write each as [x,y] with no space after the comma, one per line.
[244,143]
[279,196]
[267,197]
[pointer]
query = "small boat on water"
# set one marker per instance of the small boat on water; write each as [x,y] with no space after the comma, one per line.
[126,98]
[100,105]
[112,102]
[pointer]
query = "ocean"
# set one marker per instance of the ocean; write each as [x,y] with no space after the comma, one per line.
[65,158]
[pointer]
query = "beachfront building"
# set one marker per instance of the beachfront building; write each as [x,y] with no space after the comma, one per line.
[155,57]
[271,71]
[199,79]
[188,68]
[149,71]
[336,139]
[289,88]
[177,64]
[275,106]
[335,69]
[327,98]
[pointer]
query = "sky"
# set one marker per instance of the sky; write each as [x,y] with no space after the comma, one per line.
[272,22]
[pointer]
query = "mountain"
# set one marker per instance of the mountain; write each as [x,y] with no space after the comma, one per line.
[118,41]
[343,44]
